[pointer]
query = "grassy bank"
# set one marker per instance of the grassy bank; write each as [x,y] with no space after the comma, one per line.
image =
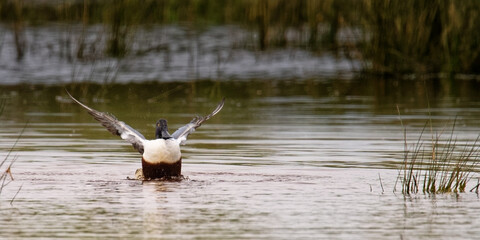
[390,37]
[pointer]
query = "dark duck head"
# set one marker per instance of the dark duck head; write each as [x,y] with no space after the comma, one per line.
[162,130]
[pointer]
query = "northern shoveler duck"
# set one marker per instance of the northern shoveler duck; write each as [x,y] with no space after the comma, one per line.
[161,157]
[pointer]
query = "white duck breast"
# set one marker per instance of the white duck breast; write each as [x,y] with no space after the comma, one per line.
[161,151]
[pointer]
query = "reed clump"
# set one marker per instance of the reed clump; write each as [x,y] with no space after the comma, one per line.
[437,164]
[437,36]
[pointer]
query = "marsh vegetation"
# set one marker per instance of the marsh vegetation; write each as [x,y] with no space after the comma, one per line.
[437,162]
[432,38]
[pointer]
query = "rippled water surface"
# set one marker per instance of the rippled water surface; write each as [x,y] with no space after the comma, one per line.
[282,160]
[303,149]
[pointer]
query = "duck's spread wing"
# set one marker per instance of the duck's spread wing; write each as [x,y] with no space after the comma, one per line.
[115,126]
[182,133]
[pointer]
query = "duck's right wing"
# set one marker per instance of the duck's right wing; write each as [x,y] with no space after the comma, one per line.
[182,133]
[115,126]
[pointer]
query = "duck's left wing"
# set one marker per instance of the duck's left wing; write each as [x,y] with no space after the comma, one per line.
[115,126]
[182,133]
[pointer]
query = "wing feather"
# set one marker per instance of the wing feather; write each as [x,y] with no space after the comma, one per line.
[116,127]
[182,133]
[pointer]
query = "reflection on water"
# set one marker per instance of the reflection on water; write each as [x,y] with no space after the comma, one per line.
[166,53]
[282,160]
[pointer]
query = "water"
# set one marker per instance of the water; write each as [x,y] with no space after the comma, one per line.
[286,157]
[270,166]
[165,53]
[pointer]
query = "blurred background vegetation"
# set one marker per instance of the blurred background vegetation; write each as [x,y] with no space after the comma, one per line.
[389,37]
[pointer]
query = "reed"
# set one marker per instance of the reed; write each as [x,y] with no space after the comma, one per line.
[390,36]
[6,176]
[437,164]
[421,36]
[6,173]
[12,13]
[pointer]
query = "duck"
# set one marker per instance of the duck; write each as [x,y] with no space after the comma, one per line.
[161,157]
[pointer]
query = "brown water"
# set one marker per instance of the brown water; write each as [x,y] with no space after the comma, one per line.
[282,160]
